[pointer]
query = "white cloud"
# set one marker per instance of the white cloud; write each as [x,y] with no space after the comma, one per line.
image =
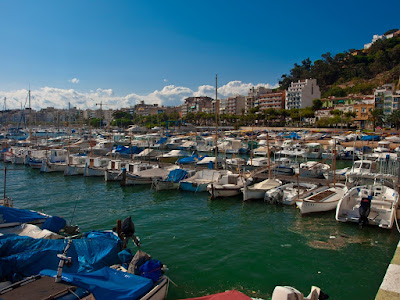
[74,80]
[169,95]
[165,80]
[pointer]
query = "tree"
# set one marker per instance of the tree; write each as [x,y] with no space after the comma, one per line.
[376,117]
[394,119]
[317,104]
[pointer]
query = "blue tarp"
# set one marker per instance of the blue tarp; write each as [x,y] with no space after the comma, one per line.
[189,159]
[126,150]
[108,283]
[176,175]
[9,215]
[22,256]
[370,138]
[162,140]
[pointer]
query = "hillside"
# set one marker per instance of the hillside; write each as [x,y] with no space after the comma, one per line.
[353,71]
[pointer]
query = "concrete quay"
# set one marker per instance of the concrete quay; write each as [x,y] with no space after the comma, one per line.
[390,287]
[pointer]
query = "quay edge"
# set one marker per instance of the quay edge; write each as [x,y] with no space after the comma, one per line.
[390,288]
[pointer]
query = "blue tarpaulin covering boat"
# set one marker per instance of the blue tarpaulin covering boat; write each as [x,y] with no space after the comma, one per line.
[190,159]
[176,175]
[22,256]
[127,150]
[162,140]
[108,283]
[370,138]
[10,215]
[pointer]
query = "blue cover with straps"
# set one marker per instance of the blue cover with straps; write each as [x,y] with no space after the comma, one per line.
[22,256]
[176,175]
[10,214]
[108,283]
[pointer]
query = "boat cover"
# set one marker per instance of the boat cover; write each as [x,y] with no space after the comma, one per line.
[10,214]
[22,256]
[370,138]
[228,295]
[127,150]
[190,159]
[108,283]
[162,140]
[177,175]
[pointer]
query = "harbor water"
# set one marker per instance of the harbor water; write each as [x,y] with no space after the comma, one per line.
[215,245]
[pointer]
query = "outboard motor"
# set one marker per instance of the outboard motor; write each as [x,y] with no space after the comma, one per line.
[364,210]
[128,230]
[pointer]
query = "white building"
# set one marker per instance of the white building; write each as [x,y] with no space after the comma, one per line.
[301,94]
[232,105]
[387,98]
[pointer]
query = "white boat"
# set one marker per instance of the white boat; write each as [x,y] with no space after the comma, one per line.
[339,173]
[95,166]
[383,205]
[258,190]
[383,147]
[172,156]
[147,176]
[201,179]
[50,167]
[313,169]
[227,186]
[313,150]
[288,193]
[257,162]
[205,162]
[76,165]
[322,199]
[172,181]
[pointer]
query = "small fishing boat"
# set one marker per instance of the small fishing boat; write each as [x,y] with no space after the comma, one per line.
[227,186]
[313,150]
[339,173]
[322,199]
[288,193]
[383,205]
[172,156]
[146,176]
[95,166]
[201,179]
[172,181]
[313,169]
[258,190]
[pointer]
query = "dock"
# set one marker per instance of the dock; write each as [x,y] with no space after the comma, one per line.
[390,288]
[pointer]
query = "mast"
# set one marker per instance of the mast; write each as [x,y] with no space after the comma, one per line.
[269,157]
[216,122]
[334,162]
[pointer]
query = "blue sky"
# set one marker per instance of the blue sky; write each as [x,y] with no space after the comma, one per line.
[163,51]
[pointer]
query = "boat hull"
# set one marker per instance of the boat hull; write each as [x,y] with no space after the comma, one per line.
[193,186]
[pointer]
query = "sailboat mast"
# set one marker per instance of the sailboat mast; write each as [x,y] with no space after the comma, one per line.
[216,123]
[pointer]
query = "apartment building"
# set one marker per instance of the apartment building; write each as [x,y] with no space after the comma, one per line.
[363,114]
[275,100]
[387,98]
[253,95]
[196,104]
[232,105]
[301,94]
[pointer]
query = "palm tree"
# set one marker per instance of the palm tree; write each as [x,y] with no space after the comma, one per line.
[376,117]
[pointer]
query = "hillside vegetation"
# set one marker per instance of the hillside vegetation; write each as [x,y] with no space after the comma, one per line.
[353,71]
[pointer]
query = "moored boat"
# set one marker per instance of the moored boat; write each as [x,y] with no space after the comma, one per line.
[322,199]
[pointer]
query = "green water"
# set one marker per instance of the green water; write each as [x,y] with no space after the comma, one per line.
[215,245]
